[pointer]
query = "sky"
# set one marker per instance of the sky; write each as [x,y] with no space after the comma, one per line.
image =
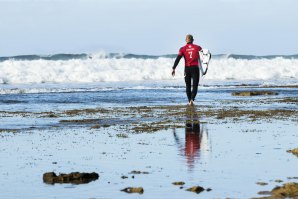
[151,27]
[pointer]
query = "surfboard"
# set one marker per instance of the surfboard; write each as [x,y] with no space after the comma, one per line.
[205,56]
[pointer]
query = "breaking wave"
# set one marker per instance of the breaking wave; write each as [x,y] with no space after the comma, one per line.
[113,67]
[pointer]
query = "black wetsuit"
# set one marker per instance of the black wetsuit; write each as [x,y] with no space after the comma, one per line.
[190,73]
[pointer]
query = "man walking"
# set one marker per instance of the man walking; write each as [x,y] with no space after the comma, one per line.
[191,55]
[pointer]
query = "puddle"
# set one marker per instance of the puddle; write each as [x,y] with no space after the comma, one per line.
[229,158]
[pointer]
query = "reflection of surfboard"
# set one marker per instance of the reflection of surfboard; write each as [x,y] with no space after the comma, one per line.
[205,56]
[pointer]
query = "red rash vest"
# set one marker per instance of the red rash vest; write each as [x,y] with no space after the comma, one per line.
[191,55]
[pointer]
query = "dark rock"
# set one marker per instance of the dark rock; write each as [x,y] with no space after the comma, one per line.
[96,126]
[178,183]
[264,193]
[196,189]
[262,183]
[139,172]
[73,178]
[292,178]
[139,190]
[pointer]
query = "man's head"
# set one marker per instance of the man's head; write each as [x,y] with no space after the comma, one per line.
[189,38]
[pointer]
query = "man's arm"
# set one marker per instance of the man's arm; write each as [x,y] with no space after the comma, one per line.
[176,64]
[177,61]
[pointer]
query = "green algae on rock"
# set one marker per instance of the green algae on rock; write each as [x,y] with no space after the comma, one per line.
[254,93]
[73,178]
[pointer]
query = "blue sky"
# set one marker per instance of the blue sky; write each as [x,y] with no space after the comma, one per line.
[155,27]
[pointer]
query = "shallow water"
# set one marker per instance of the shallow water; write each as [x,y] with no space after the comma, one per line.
[59,97]
[228,158]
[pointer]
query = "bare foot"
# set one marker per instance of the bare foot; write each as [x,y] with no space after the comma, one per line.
[190,103]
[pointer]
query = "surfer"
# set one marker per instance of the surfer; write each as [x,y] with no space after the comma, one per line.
[191,55]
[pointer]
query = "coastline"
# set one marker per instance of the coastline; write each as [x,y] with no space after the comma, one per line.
[208,146]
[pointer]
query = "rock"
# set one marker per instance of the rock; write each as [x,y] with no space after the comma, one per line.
[288,190]
[96,126]
[253,93]
[264,193]
[139,172]
[292,178]
[73,178]
[178,183]
[139,190]
[196,189]
[294,151]
[262,183]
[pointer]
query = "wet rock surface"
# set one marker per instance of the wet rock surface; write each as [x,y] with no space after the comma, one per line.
[196,189]
[149,119]
[73,178]
[138,190]
[264,193]
[288,190]
[262,183]
[139,172]
[178,183]
[294,151]
[254,93]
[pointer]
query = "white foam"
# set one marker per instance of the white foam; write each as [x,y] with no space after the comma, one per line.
[100,68]
[256,69]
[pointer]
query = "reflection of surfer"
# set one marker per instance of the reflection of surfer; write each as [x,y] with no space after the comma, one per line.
[193,138]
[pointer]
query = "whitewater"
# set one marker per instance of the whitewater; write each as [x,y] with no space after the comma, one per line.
[105,67]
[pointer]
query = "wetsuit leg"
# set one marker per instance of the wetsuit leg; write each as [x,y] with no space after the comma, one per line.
[195,82]
[187,78]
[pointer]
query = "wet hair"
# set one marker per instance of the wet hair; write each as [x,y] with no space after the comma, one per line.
[189,38]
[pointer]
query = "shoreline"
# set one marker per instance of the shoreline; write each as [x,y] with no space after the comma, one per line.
[153,118]
[213,147]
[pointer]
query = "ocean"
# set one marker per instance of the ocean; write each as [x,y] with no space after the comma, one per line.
[62,81]
[112,67]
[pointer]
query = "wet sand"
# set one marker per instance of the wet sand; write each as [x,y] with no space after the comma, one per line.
[232,149]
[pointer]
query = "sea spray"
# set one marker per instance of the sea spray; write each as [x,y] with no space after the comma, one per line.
[105,67]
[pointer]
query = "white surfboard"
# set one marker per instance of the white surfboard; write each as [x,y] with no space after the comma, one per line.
[205,57]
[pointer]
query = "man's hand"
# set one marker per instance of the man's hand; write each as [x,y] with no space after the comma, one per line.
[173,72]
